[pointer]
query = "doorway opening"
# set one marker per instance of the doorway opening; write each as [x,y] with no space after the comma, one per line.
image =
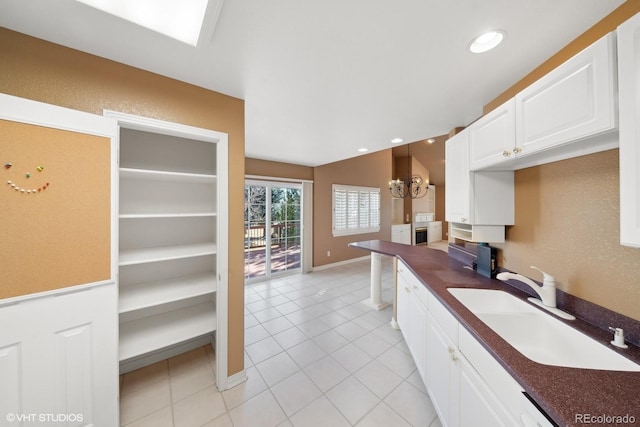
[272,229]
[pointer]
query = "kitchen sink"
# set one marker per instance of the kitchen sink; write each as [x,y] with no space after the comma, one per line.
[538,335]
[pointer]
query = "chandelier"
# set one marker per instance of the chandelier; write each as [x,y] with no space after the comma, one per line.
[411,186]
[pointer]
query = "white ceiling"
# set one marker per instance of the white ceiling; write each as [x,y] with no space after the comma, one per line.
[322,78]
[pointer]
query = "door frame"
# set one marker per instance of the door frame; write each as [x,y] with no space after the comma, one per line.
[130,121]
[273,182]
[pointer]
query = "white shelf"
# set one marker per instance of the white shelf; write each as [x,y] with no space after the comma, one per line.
[148,334]
[168,215]
[143,295]
[165,253]
[478,233]
[158,175]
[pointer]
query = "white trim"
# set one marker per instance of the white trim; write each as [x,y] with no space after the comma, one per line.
[339,263]
[130,121]
[38,113]
[275,178]
[237,379]
[349,208]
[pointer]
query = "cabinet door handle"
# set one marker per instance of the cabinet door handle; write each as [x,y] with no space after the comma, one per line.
[407,290]
[463,219]
[506,153]
[516,150]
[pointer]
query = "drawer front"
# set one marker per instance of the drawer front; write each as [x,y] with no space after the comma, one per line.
[499,380]
[445,319]
[416,286]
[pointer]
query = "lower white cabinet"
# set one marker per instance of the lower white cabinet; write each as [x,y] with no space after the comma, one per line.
[401,233]
[412,316]
[467,386]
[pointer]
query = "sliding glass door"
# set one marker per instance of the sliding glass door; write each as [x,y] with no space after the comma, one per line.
[272,228]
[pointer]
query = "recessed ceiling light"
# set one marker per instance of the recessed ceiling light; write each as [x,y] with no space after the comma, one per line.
[431,140]
[178,19]
[397,140]
[363,150]
[486,41]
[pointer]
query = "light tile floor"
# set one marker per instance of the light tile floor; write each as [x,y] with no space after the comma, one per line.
[315,356]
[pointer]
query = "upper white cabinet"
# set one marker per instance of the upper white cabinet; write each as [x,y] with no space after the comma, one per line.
[573,102]
[457,178]
[477,204]
[629,97]
[570,112]
[492,137]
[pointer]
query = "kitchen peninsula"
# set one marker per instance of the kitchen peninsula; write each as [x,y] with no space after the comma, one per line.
[568,396]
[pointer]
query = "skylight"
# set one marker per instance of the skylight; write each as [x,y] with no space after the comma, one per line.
[178,19]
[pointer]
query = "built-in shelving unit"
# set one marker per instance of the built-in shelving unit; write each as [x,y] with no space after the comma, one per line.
[168,244]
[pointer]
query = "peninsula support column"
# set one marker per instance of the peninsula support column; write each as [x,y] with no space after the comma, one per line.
[375,301]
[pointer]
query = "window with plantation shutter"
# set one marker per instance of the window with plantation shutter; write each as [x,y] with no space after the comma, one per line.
[356,210]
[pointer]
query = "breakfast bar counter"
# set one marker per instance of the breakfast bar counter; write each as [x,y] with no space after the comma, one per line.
[569,396]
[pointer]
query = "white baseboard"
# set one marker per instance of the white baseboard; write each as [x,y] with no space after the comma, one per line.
[339,263]
[236,379]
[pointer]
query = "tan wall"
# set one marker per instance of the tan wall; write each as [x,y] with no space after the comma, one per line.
[371,170]
[568,224]
[567,213]
[277,169]
[42,71]
[431,156]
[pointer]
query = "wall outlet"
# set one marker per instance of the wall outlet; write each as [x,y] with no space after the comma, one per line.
[328,253]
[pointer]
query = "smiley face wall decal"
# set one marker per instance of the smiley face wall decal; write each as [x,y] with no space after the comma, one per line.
[27,189]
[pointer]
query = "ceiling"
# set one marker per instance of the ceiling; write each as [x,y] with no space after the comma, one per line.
[321,79]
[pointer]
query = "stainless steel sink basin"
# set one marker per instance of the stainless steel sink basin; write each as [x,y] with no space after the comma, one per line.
[538,335]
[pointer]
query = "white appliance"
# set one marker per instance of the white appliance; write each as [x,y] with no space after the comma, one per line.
[426,229]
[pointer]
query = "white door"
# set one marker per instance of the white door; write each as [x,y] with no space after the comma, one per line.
[457,178]
[628,71]
[574,101]
[492,138]
[58,348]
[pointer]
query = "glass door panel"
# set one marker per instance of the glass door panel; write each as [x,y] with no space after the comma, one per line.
[255,237]
[273,241]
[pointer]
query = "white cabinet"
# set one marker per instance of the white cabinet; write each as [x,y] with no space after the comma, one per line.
[412,315]
[442,373]
[575,101]
[629,97]
[467,386]
[457,178]
[460,395]
[401,233]
[478,204]
[171,243]
[493,137]
[570,112]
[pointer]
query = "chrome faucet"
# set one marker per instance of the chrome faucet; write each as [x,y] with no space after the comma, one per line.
[547,291]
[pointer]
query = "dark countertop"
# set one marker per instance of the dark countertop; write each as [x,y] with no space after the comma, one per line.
[561,392]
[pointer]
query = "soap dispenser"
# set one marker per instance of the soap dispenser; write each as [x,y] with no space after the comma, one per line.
[618,337]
